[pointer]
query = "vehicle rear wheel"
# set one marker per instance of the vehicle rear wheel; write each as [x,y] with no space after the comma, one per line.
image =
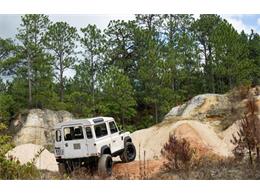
[129,153]
[105,164]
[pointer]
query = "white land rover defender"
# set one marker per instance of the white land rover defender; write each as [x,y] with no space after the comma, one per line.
[91,141]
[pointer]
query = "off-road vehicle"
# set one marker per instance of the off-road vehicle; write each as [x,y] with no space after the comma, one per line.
[91,141]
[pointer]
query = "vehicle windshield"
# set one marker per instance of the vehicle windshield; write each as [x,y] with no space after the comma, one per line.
[73,133]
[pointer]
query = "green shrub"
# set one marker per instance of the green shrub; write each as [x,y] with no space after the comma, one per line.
[12,168]
[6,107]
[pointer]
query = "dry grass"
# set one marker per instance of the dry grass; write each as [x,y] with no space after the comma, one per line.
[247,140]
[213,168]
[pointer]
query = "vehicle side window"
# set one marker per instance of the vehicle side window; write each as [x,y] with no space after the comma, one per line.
[78,133]
[101,130]
[58,136]
[72,133]
[113,128]
[89,133]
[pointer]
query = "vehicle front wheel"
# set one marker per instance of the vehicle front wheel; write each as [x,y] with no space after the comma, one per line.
[129,153]
[105,164]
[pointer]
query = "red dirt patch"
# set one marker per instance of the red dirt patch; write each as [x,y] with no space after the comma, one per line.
[136,169]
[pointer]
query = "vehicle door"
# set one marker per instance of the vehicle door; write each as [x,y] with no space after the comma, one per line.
[102,136]
[117,142]
[74,142]
[90,141]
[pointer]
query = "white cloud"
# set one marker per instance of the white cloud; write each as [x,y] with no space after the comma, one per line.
[238,24]
[101,20]
[258,21]
[196,16]
[10,23]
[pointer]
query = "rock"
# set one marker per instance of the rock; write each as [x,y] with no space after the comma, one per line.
[44,160]
[207,121]
[197,105]
[36,126]
[258,102]
[201,136]
[219,111]
[211,109]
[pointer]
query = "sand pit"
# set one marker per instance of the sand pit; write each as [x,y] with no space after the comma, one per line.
[26,152]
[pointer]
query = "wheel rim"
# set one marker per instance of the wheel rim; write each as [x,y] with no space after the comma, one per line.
[130,152]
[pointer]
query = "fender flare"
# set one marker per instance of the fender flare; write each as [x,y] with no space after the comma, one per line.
[104,148]
[127,139]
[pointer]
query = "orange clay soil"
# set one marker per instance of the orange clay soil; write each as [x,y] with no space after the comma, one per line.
[136,169]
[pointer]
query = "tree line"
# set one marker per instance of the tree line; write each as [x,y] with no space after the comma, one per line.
[135,70]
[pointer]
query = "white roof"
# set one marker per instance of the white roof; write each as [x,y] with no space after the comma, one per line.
[87,121]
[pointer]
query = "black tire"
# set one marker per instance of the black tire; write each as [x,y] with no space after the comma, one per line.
[129,153]
[122,157]
[105,164]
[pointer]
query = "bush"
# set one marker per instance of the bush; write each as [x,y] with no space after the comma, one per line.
[12,169]
[239,93]
[6,107]
[178,154]
[248,136]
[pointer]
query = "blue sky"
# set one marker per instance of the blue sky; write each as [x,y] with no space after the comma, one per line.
[10,23]
[244,21]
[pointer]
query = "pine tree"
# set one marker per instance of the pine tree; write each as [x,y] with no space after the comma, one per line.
[118,95]
[121,46]
[60,40]
[30,34]
[93,43]
[204,28]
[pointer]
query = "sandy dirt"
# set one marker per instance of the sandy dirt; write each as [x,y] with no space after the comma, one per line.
[201,135]
[136,169]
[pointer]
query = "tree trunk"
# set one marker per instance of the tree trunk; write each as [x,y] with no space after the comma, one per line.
[156,112]
[206,67]
[212,79]
[93,82]
[61,80]
[122,118]
[230,82]
[29,82]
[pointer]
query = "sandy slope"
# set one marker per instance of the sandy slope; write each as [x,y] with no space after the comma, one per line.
[201,135]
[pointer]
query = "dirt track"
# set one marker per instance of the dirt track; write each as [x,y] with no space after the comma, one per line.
[136,169]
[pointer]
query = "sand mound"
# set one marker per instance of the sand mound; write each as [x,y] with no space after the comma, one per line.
[27,152]
[201,136]
[231,131]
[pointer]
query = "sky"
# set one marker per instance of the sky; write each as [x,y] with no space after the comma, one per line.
[10,23]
